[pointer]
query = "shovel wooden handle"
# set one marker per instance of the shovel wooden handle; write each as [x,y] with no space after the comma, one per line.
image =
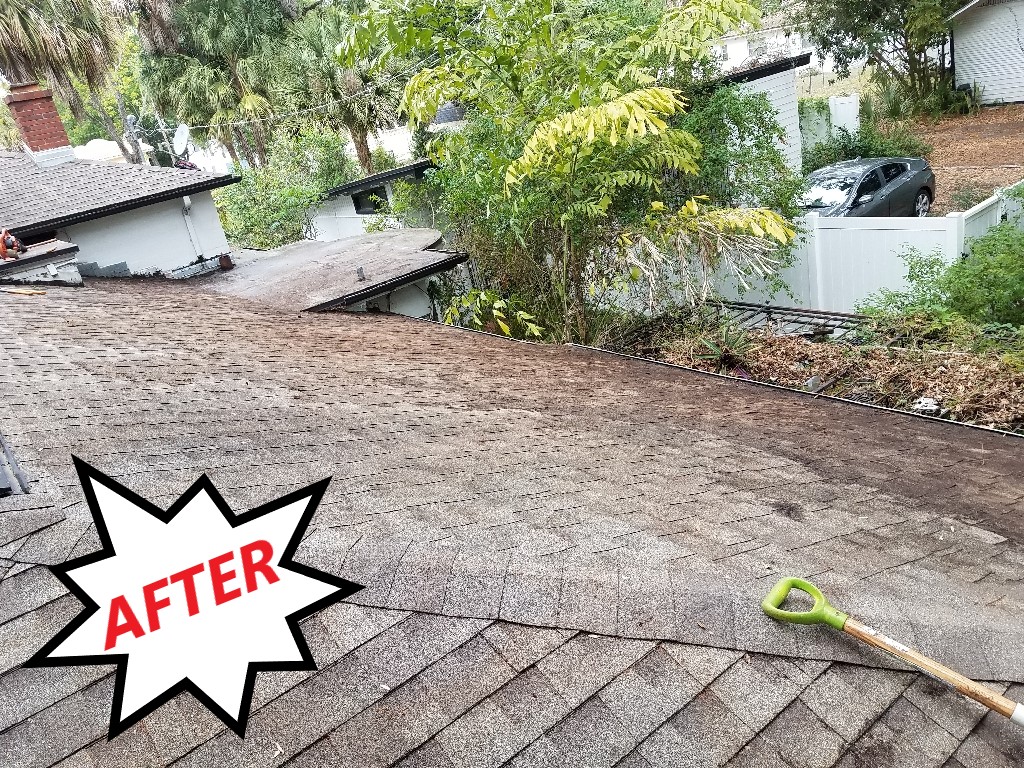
[969,688]
[823,613]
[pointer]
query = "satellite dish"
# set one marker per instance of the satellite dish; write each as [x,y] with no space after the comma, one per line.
[181,137]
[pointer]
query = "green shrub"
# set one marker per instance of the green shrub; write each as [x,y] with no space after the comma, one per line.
[975,304]
[741,161]
[872,140]
[988,285]
[383,160]
[270,206]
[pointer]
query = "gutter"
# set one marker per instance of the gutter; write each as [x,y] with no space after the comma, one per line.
[379,289]
[125,205]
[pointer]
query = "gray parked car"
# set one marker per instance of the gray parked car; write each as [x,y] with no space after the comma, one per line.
[873,186]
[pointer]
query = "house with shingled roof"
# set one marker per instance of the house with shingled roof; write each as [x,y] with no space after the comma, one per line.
[563,551]
[125,219]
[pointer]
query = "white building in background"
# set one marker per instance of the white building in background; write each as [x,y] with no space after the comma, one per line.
[349,207]
[777,80]
[774,39]
[125,219]
[988,49]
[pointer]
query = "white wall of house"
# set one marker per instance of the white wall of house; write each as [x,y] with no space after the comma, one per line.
[148,240]
[409,300]
[336,218]
[988,50]
[782,93]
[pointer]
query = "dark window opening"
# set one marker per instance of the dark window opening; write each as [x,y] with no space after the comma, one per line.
[369,200]
[38,237]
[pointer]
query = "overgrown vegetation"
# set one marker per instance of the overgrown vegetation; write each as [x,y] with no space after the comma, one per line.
[575,184]
[950,344]
[873,139]
[907,42]
[985,289]
[271,205]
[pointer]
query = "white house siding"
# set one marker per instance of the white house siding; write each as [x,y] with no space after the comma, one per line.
[410,300]
[988,49]
[781,91]
[336,218]
[148,240]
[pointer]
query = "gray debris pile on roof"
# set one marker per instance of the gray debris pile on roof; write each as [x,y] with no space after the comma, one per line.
[563,551]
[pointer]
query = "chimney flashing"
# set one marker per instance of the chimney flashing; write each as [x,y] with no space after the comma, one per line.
[45,158]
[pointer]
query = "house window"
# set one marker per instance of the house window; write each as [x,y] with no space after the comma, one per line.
[369,200]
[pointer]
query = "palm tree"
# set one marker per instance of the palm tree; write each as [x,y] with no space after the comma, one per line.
[57,41]
[359,99]
[220,73]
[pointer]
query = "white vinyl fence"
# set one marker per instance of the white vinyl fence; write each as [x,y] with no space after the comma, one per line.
[839,262]
[843,112]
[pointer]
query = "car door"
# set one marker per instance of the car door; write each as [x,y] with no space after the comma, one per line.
[897,193]
[870,184]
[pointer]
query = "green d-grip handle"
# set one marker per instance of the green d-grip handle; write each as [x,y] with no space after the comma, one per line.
[821,613]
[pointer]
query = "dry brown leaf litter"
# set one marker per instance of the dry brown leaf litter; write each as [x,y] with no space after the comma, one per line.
[976,389]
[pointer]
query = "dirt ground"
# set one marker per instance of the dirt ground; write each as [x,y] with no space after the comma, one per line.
[982,152]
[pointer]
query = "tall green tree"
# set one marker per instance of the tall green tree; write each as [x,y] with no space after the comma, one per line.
[57,41]
[906,41]
[222,73]
[114,109]
[358,98]
[560,178]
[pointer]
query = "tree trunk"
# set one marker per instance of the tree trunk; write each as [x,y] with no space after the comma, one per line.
[134,146]
[111,129]
[359,140]
[242,142]
[260,139]
[233,154]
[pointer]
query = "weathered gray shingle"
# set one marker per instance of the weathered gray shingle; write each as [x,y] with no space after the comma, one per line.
[35,198]
[564,552]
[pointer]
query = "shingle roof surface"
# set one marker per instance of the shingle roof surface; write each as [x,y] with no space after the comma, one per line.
[311,274]
[563,551]
[32,195]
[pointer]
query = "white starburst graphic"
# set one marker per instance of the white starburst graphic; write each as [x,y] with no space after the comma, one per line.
[192,599]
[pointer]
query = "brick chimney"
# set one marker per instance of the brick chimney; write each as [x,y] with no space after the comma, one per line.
[39,124]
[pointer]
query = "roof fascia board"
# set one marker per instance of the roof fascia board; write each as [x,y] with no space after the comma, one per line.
[766,70]
[391,285]
[377,179]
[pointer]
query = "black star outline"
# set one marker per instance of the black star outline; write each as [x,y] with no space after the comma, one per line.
[88,474]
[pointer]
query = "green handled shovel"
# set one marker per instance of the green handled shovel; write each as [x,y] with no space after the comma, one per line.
[823,613]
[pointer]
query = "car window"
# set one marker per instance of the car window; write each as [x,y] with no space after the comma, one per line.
[828,189]
[893,171]
[870,185]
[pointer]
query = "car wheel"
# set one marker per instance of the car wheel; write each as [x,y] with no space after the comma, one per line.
[922,203]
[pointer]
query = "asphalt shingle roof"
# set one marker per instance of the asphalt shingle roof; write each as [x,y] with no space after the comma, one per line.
[37,198]
[563,551]
[310,274]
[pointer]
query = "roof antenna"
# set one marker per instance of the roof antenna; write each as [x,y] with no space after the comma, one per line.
[360,274]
